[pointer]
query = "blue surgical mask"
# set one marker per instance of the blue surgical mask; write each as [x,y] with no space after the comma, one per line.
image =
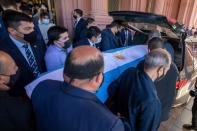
[45,21]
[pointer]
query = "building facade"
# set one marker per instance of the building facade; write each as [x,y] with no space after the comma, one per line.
[184,11]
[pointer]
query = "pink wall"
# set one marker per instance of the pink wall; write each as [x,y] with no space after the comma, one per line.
[185,11]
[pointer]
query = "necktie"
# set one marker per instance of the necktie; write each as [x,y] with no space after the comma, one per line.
[75,23]
[126,37]
[32,62]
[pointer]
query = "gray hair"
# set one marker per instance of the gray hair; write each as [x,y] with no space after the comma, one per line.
[157,58]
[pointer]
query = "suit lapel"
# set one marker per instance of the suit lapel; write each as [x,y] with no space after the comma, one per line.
[77,24]
[17,54]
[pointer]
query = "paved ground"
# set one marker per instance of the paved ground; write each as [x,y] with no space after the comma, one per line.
[178,117]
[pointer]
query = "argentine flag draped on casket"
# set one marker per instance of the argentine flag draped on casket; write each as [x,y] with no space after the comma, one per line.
[115,62]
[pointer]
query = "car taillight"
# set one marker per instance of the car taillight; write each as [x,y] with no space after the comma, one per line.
[181,83]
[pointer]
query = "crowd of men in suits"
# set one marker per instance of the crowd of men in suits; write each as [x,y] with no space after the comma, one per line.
[72,104]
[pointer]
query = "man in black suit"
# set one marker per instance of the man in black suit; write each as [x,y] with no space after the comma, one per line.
[166,86]
[72,105]
[16,114]
[22,46]
[13,5]
[135,92]
[90,22]
[79,25]
[126,37]
[93,37]
[109,38]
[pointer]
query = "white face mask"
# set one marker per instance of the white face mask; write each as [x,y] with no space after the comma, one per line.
[98,40]
[45,21]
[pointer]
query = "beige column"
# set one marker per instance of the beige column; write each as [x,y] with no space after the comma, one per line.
[193,14]
[137,5]
[167,8]
[175,8]
[64,9]
[133,5]
[187,12]
[125,5]
[84,5]
[99,11]
[159,6]
[143,5]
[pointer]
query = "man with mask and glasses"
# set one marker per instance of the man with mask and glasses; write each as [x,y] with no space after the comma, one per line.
[135,93]
[15,113]
[21,46]
[109,36]
[72,105]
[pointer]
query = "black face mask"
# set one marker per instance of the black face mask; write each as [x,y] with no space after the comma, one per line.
[67,44]
[74,16]
[13,79]
[117,33]
[31,37]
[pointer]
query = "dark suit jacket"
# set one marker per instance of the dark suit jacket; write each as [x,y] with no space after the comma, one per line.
[109,40]
[4,34]
[83,34]
[83,42]
[15,114]
[166,89]
[136,99]
[123,38]
[62,107]
[86,42]
[26,75]
[81,25]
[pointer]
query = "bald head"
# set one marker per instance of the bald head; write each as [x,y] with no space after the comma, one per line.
[8,68]
[5,62]
[84,62]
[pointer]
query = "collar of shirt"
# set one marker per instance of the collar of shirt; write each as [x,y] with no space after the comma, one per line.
[91,43]
[58,48]
[18,43]
[77,21]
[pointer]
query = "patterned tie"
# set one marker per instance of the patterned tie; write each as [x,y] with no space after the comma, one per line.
[32,62]
[126,37]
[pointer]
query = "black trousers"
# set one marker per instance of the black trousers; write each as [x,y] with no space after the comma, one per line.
[194,112]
